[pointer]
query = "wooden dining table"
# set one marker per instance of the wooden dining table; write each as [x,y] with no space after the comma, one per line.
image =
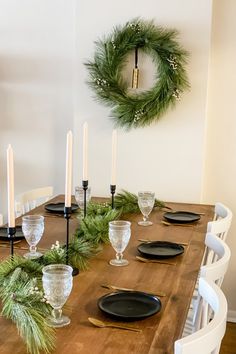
[177,280]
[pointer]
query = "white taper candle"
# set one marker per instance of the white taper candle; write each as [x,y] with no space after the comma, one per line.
[113,157]
[85,151]
[68,182]
[10,187]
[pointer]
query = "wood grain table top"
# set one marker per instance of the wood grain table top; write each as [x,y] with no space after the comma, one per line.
[159,331]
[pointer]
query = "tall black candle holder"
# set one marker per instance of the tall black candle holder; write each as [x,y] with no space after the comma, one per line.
[67,215]
[113,190]
[11,235]
[85,187]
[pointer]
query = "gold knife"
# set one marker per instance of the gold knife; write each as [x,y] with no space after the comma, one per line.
[150,241]
[166,223]
[113,287]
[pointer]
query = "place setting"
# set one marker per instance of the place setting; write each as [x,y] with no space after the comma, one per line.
[58,208]
[162,252]
[126,305]
[181,218]
[158,251]
[17,237]
[122,303]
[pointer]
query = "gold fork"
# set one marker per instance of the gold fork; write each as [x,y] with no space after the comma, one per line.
[166,223]
[145,260]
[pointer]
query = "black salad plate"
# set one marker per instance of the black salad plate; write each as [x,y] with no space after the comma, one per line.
[181,217]
[160,249]
[129,305]
[59,207]
[4,236]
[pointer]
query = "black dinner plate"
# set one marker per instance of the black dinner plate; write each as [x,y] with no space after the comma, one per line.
[160,249]
[129,305]
[59,207]
[181,217]
[18,235]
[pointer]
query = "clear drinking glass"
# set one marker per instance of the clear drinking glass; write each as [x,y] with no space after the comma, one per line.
[33,227]
[119,235]
[57,284]
[146,202]
[79,196]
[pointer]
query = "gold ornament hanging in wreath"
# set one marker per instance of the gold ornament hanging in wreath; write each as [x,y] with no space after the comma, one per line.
[138,109]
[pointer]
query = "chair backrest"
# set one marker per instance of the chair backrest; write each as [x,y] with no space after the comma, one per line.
[222,221]
[214,272]
[30,199]
[208,339]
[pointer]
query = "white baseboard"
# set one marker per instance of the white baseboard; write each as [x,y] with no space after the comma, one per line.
[231,317]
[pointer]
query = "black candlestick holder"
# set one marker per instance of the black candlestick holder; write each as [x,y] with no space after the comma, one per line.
[113,190]
[11,235]
[67,215]
[85,187]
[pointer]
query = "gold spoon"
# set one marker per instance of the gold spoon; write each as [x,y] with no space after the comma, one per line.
[150,241]
[113,287]
[103,324]
[145,260]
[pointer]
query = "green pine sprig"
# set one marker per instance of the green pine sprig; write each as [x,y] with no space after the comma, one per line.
[8,266]
[24,304]
[95,228]
[81,251]
[127,202]
[56,255]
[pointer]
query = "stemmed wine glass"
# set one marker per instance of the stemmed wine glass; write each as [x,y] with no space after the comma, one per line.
[57,284]
[146,202]
[79,196]
[33,227]
[119,235]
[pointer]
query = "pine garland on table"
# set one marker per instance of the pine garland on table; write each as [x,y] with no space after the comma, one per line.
[24,303]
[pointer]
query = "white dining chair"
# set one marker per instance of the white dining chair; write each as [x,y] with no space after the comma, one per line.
[207,340]
[220,227]
[1,219]
[30,199]
[222,221]
[211,271]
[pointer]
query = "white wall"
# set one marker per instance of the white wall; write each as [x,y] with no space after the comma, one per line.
[36,90]
[220,172]
[43,51]
[167,156]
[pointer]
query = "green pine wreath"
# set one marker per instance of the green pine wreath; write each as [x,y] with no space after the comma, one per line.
[105,72]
